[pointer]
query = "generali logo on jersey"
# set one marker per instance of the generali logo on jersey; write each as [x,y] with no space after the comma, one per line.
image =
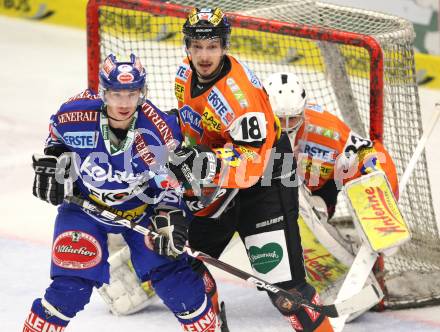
[160,124]
[78,116]
[76,250]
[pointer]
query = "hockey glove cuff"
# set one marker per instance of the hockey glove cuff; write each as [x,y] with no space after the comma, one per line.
[173,229]
[51,181]
[195,165]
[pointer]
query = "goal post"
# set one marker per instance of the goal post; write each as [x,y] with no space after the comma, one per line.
[356,63]
[250,23]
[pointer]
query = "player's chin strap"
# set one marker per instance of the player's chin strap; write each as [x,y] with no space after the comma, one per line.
[353,304]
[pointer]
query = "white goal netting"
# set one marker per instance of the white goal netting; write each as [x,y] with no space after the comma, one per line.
[357,63]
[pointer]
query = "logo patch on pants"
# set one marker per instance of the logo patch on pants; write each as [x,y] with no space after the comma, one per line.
[266,258]
[267,254]
[76,250]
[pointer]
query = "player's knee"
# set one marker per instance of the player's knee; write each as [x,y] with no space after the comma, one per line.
[68,295]
[179,287]
[208,281]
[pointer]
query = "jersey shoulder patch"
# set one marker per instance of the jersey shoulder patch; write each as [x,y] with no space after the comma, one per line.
[249,129]
[165,125]
[85,100]
[315,107]
[253,79]
[183,72]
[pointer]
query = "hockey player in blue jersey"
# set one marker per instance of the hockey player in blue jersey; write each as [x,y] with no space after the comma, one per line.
[112,148]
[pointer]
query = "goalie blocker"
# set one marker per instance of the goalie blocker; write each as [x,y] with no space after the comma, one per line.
[376,214]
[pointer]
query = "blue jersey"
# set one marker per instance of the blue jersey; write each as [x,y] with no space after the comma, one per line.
[126,176]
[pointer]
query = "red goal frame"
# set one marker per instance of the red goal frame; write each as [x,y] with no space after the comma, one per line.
[304,31]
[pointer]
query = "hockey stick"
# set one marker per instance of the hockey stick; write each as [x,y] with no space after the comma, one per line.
[353,304]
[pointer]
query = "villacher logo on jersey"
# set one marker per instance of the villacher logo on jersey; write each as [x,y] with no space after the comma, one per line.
[76,250]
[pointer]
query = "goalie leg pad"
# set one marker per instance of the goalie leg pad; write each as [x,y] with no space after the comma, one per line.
[179,287]
[69,295]
[125,294]
[41,319]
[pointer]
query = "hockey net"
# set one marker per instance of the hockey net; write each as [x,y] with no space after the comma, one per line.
[356,63]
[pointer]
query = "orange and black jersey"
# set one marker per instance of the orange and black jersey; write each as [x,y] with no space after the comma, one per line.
[232,116]
[327,149]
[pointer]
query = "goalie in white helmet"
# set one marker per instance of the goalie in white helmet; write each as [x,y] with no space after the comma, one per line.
[324,144]
[288,99]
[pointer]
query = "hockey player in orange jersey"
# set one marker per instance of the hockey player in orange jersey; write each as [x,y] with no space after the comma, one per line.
[329,153]
[232,182]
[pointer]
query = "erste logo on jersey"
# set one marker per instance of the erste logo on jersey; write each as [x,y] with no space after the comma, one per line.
[192,118]
[76,250]
[183,72]
[78,116]
[81,139]
[221,107]
[318,151]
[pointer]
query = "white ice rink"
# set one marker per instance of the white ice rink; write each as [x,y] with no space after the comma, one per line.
[40,66]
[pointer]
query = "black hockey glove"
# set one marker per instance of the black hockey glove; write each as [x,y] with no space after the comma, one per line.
[51,182]
[195,165]
[173,229]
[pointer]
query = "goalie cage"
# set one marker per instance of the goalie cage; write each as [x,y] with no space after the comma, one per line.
[356,63]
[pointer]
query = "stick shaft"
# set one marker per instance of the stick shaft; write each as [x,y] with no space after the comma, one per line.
[296,299]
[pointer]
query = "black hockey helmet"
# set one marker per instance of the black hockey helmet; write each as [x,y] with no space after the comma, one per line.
[207,23]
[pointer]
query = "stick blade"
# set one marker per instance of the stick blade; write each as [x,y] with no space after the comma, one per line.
[360,301]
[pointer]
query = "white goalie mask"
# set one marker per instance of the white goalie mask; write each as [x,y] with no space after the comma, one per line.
[288,99]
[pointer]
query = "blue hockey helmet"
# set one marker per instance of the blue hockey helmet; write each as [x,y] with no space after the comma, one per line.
[130,75]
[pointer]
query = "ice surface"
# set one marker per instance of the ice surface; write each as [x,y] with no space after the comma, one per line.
[41,66]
